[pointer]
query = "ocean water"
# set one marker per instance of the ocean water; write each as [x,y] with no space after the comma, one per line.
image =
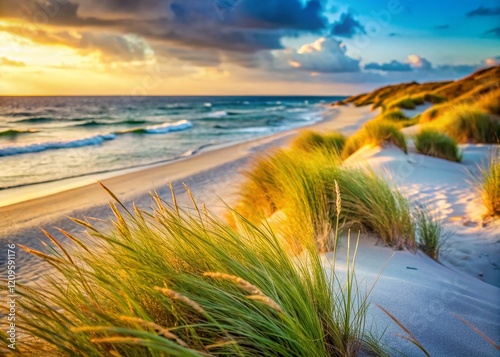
[45,139]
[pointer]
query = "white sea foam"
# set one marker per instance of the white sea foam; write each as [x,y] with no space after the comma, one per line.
[37,147]
[168,127]
[217,114]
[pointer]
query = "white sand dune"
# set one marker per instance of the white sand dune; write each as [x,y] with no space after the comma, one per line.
[445,188]
[423,295]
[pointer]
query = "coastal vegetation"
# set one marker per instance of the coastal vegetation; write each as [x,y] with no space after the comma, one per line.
[182,282]
[375,132]
[432,142]
[488,183]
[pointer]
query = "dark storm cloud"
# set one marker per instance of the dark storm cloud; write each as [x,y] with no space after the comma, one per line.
[458,69]
[484,11]
[347,26]
[493,32]
[249,26]
[393,66]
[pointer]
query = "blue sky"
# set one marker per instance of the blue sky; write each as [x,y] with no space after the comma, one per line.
[236,46]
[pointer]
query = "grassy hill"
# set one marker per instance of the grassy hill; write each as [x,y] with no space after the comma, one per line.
[409,95]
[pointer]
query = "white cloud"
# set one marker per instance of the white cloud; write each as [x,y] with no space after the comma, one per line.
[418,62]
[325,55]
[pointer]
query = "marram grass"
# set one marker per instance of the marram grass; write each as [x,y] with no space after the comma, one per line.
[303,189]
[375,132]
[468,123]
[434,143]
[310,141]
[488,183]
[181,282]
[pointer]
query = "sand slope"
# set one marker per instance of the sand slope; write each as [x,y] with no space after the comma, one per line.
[423,295]
[445,188]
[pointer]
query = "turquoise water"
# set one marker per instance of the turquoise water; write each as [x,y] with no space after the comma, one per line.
[43,139]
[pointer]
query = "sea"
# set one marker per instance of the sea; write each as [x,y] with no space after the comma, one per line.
[47,139]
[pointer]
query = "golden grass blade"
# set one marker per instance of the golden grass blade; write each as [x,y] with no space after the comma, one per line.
[179,297]
[412,338]
[41,255]
[479,332]
[74,239]
[267,301]
[59,245]
[174,198]
[83,223]
[114,197]
[236,280]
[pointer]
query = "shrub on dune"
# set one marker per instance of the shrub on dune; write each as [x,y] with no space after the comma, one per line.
[434,143]
[184,283]
[376,132]
[490,102]
[434,98]
[403,103]
[488,184]
[429,232]
[468,123]
[310,141]
[395,115]
[433,112]
[418,99]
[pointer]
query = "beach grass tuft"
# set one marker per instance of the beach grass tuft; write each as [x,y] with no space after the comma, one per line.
[309,141]
[466,123]
[433,112]
[490,102]
[402,103]
[376,132]
[304,188]
[395,115]
[430,232]
[182,282]
[488,183]
[431,142]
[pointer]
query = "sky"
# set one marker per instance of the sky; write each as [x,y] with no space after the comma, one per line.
[240,47]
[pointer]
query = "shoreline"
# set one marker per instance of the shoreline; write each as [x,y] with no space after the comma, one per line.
[137,182]
[19,194]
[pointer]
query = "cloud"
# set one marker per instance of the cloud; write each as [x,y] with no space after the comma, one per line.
[247,26]
[393,66]
[493,61]
[325,55]
[347,26]
[4,61]
[442,27]
[109,46]
[418,62]
[494,32]
[124,48]
[484,11]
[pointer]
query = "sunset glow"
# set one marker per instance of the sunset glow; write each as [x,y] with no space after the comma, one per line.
[48,46]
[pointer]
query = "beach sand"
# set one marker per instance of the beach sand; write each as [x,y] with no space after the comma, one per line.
[420,292]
